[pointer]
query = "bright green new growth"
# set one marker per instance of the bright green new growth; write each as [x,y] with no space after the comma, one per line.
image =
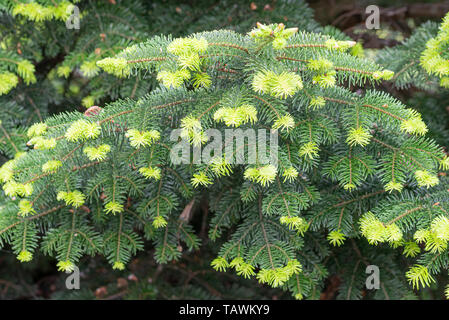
[117,67]
[51,166]
[37,12]
[82,130]
[8,81]
[73,198]
[435,58]
[97,153]
[140,139]
[22,68]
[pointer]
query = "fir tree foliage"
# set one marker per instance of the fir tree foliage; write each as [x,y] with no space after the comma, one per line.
[421,60]
[90,179]
[356,172]
[434,58]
